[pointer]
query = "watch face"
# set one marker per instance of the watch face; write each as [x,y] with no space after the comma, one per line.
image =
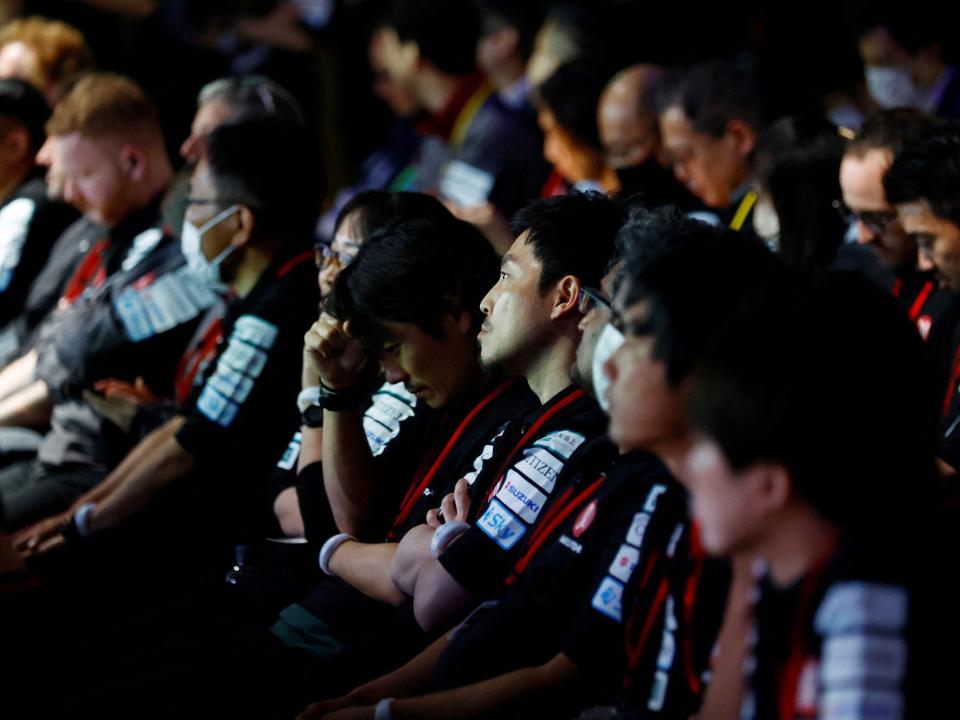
[313,416]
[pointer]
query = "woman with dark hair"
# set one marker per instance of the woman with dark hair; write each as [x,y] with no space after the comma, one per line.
[796,174]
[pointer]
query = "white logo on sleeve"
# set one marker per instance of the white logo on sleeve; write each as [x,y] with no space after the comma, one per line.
[608,599]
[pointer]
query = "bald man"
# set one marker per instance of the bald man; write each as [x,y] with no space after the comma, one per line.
[627,121]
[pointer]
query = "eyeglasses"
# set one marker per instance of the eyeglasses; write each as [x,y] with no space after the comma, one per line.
[588,299]
[329,256]
[875,222]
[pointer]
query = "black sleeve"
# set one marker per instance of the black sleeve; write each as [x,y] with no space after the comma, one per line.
[481,557]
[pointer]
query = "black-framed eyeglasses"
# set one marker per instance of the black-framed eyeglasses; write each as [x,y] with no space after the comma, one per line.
[588,299]
[875,221]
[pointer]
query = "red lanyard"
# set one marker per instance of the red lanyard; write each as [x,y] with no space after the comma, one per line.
[195,358]
[417,488]
[689,604]
[559,512]
[531,433]
[922,296]
[90,273]
[954,381]
[634,653]
[790,680]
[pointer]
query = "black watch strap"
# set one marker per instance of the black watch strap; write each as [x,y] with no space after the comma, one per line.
[312,417]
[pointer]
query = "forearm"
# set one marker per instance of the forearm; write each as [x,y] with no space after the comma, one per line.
[493,697]
[407,680]
[286,508]
[311,447]
[18,375]
[439,602]
[412,552]
[135,483]
[348,471]
[30,407]
[367,568]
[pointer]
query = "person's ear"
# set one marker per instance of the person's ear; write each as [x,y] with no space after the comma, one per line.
[772,486]
[133,162]
[246,222]
[742,135]
[565,296]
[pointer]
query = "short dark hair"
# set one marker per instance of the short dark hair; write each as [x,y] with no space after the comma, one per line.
[446,31]
[713,93]
[571,235]
[929,170]
[258,161]
[891,130]
[572,93]
[22,104]
[379,208]
[414,271]
[525,17]
[798,164]
[694,275]
[858,436]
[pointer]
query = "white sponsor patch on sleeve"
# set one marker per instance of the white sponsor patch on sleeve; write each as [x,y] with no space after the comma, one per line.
[255,331]
[521,496]
[563,442]
[244,358]
[231,384]
[159,310]
[638,528]
[854,605]
[289,458]
[624,563]
[216,407]
[608,599]
[481,459]
[136,321]
[501,525]
[540,466]
[650,504]
[860,703]
[868,660]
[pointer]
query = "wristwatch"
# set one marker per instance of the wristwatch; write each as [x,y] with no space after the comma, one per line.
[312,417]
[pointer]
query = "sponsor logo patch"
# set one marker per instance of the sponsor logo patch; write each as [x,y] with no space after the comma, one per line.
[571,544]
[638,529]
[855,605]
[521,496]
[501,525]
[290,455]
[563,442]
[650,504]
[216,407]
[608,599]
[540,466]
[624,563]
[585,519]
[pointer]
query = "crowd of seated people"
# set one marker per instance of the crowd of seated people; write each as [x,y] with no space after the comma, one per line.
[611,380]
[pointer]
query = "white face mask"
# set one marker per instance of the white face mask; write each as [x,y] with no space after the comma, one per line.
[208,271]
[891,86]
[607,344]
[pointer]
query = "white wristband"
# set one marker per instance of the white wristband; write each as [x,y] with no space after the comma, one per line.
[446,534]
[382,711]
[307,397]
[329,548]
[81,516]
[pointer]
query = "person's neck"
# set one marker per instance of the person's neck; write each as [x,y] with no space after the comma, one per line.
[436,89]
[256,259]
[673,452]
[797,541]
[549,373]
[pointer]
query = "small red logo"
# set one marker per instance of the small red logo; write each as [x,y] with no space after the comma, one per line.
[144,281]
[924,323]
[585,519]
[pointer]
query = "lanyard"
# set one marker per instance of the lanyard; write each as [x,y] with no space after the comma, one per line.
[560,511]
[689,604]
[531,433]
[469,112]
[90,273]
[196,357]
[790,679]
[417,488]
[743,210]
[917,307]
